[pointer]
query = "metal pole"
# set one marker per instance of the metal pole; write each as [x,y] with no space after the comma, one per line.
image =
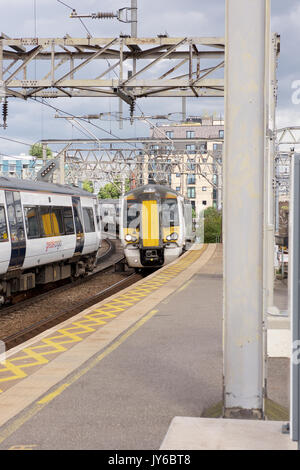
[62,159]
[271,126]
[243,207]
[294,297]
[277,185]
[183,112]
[134,27]
[44,153]
[267,240]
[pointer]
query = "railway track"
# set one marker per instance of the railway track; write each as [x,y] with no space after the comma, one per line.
[33,296]
[54,319]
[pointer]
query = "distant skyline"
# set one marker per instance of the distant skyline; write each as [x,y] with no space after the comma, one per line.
[30,121]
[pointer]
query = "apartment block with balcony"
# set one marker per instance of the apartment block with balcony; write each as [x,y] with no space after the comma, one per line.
[198,140]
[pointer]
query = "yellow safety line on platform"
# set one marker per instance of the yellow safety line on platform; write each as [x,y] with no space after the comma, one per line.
[15,424]
[22,363]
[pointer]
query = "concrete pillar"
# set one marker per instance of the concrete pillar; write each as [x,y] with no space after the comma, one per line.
[243,207]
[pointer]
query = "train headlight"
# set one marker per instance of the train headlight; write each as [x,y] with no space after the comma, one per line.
[130,238]
[172,236]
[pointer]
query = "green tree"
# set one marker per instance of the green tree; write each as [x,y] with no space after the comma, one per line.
[36,150]
[88,186]
[113,190]
[212,225]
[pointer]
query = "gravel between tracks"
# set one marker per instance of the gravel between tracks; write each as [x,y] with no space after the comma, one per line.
[56,302]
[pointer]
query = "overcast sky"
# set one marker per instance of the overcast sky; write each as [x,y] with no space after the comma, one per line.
[31,121]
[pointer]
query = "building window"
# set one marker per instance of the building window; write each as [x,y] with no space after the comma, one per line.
[190,134]
[178,189]
[191,166]
[217,147]
[177,175]
[221,134]
[204,188]
[191,148]
[191,193]
[191,179]
[204,203]
[203,147]
[170,134]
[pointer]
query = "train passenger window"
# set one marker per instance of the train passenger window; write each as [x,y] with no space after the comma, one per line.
[88,217]
[68,220]
[32,222]
[77,218]
[3,225]
[57,221]
[46,223]
[11,208]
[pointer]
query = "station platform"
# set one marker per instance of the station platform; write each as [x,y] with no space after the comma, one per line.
[116,375]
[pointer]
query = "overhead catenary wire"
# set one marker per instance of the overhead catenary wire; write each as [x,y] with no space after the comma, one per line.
[16,141]
[107,61]
[82,119]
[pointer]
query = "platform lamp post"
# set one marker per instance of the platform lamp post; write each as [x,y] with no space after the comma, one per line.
[243,207]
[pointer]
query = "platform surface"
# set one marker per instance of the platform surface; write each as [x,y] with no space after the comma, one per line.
[116,375]
[226,434]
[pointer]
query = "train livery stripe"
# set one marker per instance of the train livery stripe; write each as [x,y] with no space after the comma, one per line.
[150,223]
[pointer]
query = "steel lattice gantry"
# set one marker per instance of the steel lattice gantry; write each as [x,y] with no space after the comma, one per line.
[109,164]
[89,159]
[95,67]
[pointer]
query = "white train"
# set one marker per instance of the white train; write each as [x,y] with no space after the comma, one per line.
[48,232]
[156,223]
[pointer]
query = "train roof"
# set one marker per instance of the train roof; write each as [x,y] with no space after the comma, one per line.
[41,186]
[158,188]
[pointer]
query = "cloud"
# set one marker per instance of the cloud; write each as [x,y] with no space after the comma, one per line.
[31,121]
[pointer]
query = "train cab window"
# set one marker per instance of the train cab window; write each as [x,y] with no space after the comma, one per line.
[32,222]
[57,221]
[132,214]
[3,225]
[46,222]
[68,220]
[170,215]
[88,218]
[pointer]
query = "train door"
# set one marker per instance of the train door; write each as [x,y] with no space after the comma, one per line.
[78,224]
[16,228]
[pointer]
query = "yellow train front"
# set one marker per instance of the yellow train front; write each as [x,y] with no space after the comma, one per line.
[156,223]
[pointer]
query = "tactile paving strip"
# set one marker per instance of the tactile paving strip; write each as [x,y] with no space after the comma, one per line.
[27,361]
